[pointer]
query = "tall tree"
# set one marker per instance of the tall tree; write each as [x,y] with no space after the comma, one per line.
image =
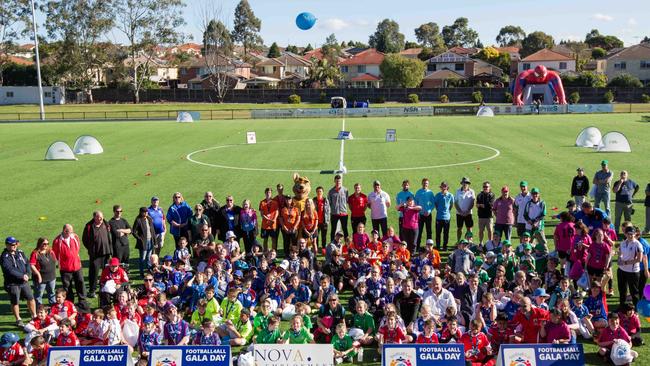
[387,37]
[510,35]
[217,49]
[323,74]
[81,26]
[428,34]
[292,49]
[460,34]
[309,48]
[147,24]
[13,13]
[595,39]
[331,49]
[493,56]
[400,71]
[247,27]
[217,34]
[274,51]
[534,42]
[645,39]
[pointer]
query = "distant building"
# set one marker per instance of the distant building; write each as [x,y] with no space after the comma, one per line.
[29,95]
[633,60]
[362,69]
[552,60]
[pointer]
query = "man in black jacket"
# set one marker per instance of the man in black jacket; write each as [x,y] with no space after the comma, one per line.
[228,219]
[145,236]
[16,272]
[580,187]
[470,295]
[96,239]
[211,210]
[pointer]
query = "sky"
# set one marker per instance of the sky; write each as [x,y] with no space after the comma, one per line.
[357,19]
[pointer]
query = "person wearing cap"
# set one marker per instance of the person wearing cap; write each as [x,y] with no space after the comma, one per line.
[12,353]
[159,223]
[534,214]
[211,209]
[358,203]
[120,231]
[176,331]
[338,199]
[228,219]
[178,214]
[484,204]
[464,201]
[580,187]
[433,254]
[504,213]
[148,337]
[462,259]
[379,203]
[624,190]
[423,198]
[520,204]
[66,248]
[144,232]
[630,253]
[443,202]
[96,239]
[114,272]
[602,182]
[400,198]
[17,272]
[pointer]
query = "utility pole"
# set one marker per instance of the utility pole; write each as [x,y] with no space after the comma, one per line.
[38,65]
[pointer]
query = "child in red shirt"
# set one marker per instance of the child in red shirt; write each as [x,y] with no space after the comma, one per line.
[428,336]
[40,348]
[390,333]
[42,325]
[66,338]
[451,334]
[630,322]
[608,335]
[63,309]
[500,333]
[478,350]
[11,352]
[94,332]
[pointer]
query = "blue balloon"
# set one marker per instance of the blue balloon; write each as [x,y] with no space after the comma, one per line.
[305,21]
[643,307]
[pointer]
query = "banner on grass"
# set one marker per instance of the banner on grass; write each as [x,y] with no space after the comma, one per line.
[293,354]
[189,356]
[541,355]
[88,356]
[423,355]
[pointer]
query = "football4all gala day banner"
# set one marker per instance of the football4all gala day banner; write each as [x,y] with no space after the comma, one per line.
[89,356]
[189,356]
[423,355]
[541,355]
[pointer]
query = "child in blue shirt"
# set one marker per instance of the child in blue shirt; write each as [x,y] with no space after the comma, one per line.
[182,254]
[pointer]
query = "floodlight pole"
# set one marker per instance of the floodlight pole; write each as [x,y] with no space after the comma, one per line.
[38,65]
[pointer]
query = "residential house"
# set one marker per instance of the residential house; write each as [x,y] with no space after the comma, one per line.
[551,59]
[19,60]
[465,51]
[192,49]
[411,52]
[161,72]
[442,79]
[362,69]
[27,50]
[633,60]
[463,67]
[193,73]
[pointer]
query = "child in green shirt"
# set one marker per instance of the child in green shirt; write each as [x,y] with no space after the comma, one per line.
[261,319]
[212,308]
[342,342]
[230,306]
[270,334]
[303,310]
[297,334]
[199,315]
[365,322]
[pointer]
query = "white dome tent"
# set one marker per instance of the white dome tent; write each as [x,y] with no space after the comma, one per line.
[485,111]
[184,117]
[589,137]
[614,142]
[59,151]
[87,144]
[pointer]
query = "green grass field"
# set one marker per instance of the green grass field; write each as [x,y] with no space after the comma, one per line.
[150,158]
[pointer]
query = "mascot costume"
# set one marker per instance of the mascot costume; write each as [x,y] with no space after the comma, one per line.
[538,80]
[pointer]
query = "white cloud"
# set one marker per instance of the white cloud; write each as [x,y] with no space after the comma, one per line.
[334,24]
[631,22]
[602,17]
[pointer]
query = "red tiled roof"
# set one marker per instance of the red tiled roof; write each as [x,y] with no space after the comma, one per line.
[464,51]
[20,60]
[444,74]
[368,57]
[547,55]
[317,53]
[411,51]
[190,46]
[366,77]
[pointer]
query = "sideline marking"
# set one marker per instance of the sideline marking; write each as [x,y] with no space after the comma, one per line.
[341,162]
[189,157]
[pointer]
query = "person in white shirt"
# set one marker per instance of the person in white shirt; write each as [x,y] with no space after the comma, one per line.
[629,269]
[379,202]
[438,298]
[464,201]
[520,204]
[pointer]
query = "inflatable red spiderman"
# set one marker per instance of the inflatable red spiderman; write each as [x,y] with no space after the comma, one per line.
[540,75]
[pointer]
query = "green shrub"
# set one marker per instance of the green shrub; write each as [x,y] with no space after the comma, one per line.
[294,99]
[477,97]
[323,97]
[444,98]
[413,98]
[379,100]
[508,97]
[574,98]
[645,98]
[608,97]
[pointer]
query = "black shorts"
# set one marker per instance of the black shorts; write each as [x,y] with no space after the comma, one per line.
[595,271]
[269,233]
[467,220]
[18,292]
[562,254]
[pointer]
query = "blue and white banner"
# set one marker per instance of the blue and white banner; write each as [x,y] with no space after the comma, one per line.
[293,354]
[89,356]
[541,355]
[591,108]
[189,356]
[423,355]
